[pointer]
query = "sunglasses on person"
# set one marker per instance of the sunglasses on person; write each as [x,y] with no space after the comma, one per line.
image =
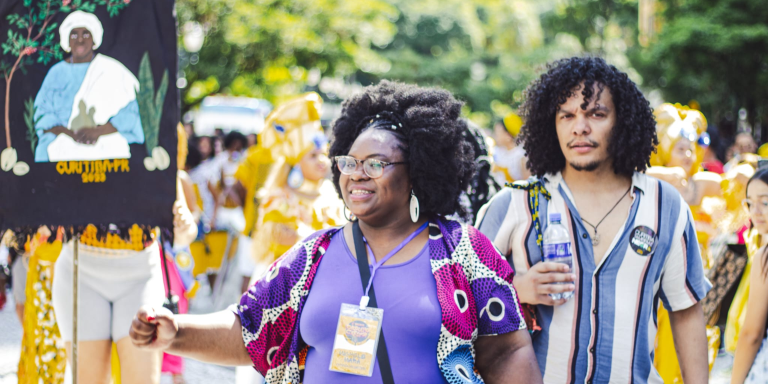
[372,167]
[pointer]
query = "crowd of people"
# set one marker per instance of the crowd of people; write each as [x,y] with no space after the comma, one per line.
[403,243]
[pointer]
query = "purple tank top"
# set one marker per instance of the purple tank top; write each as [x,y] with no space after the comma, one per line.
[408,294]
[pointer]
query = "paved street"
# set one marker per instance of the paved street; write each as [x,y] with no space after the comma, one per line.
[721,371]
[10,342]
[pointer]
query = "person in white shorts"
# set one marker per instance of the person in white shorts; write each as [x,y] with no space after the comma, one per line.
[113,284]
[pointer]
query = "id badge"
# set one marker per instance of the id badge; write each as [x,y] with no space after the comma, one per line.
[356,340]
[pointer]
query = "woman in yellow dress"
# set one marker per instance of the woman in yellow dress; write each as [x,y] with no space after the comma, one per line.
[297,198]
[676,162]
[509,159]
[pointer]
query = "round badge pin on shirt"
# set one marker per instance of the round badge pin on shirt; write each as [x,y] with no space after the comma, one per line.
[643,240]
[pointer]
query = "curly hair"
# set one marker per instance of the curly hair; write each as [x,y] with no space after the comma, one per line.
[440,162]
[632,139]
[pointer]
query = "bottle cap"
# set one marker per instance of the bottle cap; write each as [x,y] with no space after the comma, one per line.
[554,216]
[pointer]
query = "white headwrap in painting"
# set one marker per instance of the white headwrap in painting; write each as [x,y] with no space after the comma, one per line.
[80,19]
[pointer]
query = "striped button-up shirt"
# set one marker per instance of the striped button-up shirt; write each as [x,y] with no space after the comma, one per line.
[606,332]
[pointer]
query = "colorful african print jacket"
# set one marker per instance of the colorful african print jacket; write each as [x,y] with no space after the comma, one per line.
[474,288]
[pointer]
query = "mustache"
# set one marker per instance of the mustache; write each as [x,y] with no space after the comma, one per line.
[592,143]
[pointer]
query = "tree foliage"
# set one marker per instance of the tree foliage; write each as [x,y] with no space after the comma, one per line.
[265,48]
[712,51]
[485,51]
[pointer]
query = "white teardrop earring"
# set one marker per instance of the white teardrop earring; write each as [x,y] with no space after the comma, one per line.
[295,177]
[414,208]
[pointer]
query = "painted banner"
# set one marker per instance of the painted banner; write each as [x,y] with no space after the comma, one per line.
[90,110]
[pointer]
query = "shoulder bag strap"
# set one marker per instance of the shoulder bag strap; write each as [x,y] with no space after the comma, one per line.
[365,276]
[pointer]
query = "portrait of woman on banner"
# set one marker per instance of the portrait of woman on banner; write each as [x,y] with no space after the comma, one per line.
[86,108]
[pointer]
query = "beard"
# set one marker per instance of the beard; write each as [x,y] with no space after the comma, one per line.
[588,167]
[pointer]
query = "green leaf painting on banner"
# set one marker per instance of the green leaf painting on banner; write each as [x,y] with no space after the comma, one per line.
[31,122]
[150,103]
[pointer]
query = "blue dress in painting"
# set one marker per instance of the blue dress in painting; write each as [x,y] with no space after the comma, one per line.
[67,84]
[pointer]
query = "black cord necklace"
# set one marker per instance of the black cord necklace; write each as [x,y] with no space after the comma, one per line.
[596,237]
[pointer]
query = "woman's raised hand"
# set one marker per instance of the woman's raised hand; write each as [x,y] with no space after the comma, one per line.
[153,328]
[184,224]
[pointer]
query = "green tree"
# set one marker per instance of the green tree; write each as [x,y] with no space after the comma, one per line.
[265,48]
[596,23]
[606,28]
[485,52]
[712,51]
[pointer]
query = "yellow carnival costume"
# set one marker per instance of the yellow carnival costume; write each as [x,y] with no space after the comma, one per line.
[288,213]
[737,189]
[512,123]
[252,173]
[737,311]
[673,123]
[43,356]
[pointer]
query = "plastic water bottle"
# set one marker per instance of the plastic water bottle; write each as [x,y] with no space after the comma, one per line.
[557,249]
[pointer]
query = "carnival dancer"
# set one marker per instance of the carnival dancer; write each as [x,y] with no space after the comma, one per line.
[743,143]
[508,157]
[227,194]
[589,134]
[86,108]
[750,364]
[452,313]
[676,161]
[297,198]
[120,270]
[43,354]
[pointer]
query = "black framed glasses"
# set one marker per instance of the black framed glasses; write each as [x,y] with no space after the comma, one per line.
[372,167]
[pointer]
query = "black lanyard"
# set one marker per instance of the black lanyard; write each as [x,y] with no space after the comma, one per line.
[365,275]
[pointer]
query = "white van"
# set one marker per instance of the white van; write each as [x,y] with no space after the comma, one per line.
[228,113]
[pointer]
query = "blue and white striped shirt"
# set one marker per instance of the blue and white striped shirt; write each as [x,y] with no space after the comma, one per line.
[607,332]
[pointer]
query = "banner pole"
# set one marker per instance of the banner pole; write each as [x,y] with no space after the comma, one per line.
[75,281]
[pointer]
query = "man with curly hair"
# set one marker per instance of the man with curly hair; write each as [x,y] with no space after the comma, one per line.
[589,134]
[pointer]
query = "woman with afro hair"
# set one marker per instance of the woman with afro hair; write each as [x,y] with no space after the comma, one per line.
[589,134]
[450,312]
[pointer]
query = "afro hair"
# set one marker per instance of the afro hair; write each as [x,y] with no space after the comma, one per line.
[440,162]
[632,139]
